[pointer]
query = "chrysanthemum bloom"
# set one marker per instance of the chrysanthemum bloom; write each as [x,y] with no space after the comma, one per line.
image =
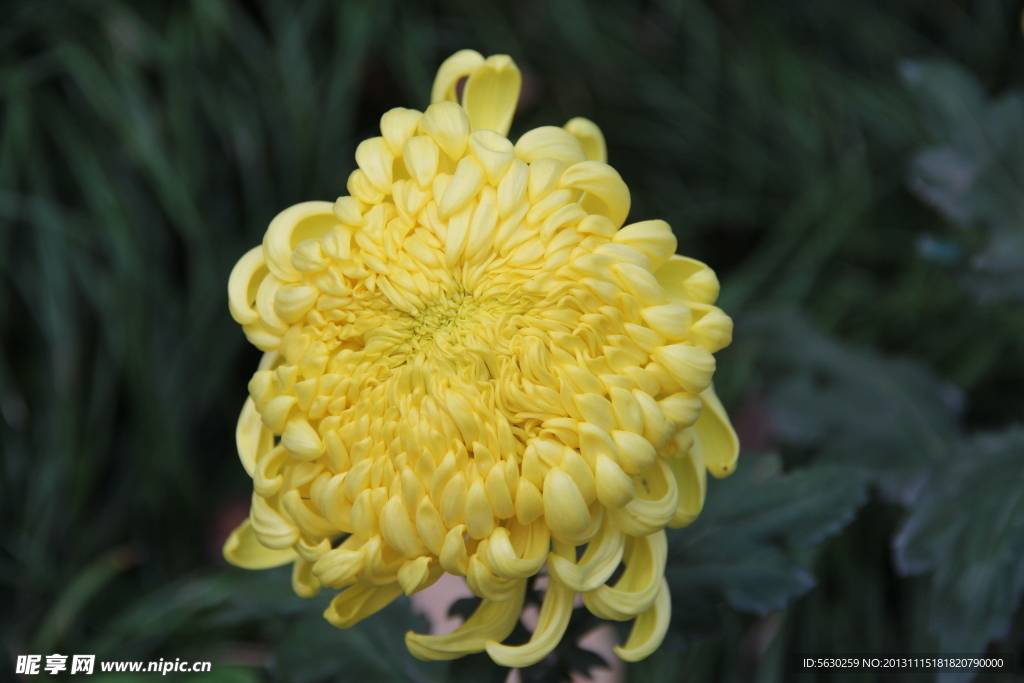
[471,367]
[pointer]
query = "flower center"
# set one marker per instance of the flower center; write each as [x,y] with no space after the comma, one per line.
[446,324]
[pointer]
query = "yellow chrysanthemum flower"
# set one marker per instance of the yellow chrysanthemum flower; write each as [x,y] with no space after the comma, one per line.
[472,368]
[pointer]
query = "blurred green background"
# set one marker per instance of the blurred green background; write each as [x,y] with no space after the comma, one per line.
[853,170]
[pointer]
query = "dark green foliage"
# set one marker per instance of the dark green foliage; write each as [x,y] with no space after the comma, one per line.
[853,170]
[968,530]
[974,173]
[890,418]
[743,547]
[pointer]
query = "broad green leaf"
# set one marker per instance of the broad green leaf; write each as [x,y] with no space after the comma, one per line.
[890,418]
[967,529]
[974,170]
[744,547]
[373,649]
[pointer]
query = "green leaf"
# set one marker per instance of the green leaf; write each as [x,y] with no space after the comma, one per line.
[974,171]
[968,529]
[373,649]
[890,418]
[744,547]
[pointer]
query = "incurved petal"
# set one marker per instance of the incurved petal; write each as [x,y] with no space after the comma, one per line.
[492,93]
[691,478]
[716,438]
[492,621]
[420,573]
[357,602]
[271,527]
[590,137]
[502,557]
[636,590]
[484,583]
[657,497]
[550,142]
[242,285]
[555,612]
[243,550]
[649,628]
[293,225]
[598,563]
[252,438]
[654,238]
[304,582]
[451,71]
[607,195]
[687,279]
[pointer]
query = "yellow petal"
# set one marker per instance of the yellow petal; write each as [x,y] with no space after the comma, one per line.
[465,184]
[649,629]
[243,550]
[498,492]
[712,328]
[447,124]
[304,583]
[293,225]
[357,602]
[452,70]
[555,612]
[672,320]
[691,366]
[245,279]
[544,174]
[614,487]
[691,479]
[398,530]
[267,478]
[688,279]
[271,528]
[512,188]
[417,574]
[552,142]
[599,562]
[682,408]
[607,195]
[397,126]
[252,438]
[492,93]
[430,526]
[564,507]
[719,444]
[655,503]
[590,137]
[308,519]
[338,568]
[349,211]
[529,502]
[488,585]
[421,155]
[654,238]
[454,557]
[627,410]
[453,500]
[376,160]
[658,429]
[493,151]
[577,468]
[502,557]
[492,621]
[302,441]
[479,514]
[637,588]
[636,454]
